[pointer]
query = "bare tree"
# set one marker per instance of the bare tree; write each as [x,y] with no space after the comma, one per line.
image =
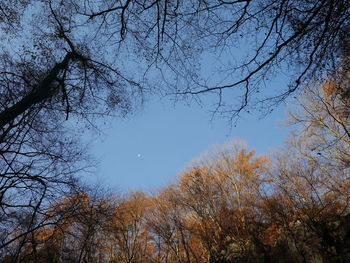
[324,124]
[67,63]
[47,76]
[303,39]
[310,204]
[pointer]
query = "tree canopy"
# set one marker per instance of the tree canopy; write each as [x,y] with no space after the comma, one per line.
[307,40]
[162,43]
[66,64]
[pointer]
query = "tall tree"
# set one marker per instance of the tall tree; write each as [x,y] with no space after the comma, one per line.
[222,196]
[67,63]
[50,73]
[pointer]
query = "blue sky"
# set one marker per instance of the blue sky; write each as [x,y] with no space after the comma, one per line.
[147,150]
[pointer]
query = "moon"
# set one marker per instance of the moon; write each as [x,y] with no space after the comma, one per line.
[139,155]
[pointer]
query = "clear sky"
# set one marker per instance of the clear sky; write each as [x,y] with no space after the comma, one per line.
[147,150]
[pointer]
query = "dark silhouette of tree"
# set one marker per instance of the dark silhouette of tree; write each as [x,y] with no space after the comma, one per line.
[77,61]
[65,64]
[304,39]
[47,76]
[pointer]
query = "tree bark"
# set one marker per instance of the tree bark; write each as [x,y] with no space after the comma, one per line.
[39,94]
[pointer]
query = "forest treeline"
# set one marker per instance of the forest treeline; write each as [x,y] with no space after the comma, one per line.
[229,205]
[68,66]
